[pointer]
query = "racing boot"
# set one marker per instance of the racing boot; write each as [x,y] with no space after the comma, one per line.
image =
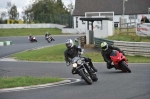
[91,64]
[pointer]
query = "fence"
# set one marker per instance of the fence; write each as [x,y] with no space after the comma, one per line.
[62,19]
[130,48]
[81,41]
[31,26]
[98,41]
[134,48]
[128,27]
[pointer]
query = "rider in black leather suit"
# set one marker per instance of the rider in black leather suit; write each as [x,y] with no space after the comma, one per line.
[72,51]
[106,51]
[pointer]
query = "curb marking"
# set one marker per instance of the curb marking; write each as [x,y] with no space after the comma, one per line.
[64,82]
[5,43]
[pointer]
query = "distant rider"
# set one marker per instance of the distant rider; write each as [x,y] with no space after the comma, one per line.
[72,51]
[106,51]
[30,37]
[49,35]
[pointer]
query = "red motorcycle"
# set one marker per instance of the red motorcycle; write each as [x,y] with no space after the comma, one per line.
[119,61]
[32,39]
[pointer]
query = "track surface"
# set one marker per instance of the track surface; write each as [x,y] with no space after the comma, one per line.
[112,84]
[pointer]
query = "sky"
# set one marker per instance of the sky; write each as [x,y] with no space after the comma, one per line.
[23,3]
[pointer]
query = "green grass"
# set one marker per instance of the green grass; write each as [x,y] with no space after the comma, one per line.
[49,54]
[132,37]
[28,31]
[55,53]
[10,82]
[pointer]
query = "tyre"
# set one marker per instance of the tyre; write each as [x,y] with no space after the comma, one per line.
[124,65]
[85,77]
[48,40]
[94,77]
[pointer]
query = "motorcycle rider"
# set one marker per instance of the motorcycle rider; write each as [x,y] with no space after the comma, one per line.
[30,37]
[106,51]
[49,35]
[72,51]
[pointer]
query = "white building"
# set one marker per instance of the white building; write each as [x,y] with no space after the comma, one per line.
[134,9]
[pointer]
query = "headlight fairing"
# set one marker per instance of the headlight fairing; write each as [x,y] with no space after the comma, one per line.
[79,62]
[74,65]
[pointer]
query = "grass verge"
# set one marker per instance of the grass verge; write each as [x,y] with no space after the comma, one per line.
[10,82]
[56,53]
[28,31]
[132,37]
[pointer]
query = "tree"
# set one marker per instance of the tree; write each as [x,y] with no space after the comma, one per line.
[2,17]
[46,11]
[27,15]
[12,11]
[70,8]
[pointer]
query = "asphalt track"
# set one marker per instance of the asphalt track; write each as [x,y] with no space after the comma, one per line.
[112,84]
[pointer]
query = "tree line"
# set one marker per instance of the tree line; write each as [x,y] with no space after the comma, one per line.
[40,11]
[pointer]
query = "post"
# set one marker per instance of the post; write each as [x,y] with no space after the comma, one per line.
[127,28]
[123,8]
[87,25]
[148,12]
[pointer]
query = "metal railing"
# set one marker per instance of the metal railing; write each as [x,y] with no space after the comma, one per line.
[130,48]
[134,48]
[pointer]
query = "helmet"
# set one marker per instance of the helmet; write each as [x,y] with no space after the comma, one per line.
[69,43]
[30,35]
[46,32]
[104,46]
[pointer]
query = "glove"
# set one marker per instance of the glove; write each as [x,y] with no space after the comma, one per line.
[68,63]
[109,62]
[123,53]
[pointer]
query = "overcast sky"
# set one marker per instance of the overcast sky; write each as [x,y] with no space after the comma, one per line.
[23,3]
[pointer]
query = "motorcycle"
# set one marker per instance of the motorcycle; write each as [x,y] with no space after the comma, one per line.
[32,39]
[119,61]
[49,39]
[83,69]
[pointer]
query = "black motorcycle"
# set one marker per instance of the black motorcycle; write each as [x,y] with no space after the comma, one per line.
[48,39]
[83,69]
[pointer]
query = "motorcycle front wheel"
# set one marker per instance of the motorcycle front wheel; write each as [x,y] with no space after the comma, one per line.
[94,77]
[85,77]
[124,65]
[48,40]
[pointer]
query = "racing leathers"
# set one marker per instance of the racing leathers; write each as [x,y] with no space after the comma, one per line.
[106,55]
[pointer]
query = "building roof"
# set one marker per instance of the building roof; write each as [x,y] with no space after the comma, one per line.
[94,19]
[132,7]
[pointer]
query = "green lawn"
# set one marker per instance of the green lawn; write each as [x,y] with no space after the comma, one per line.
[10,82]
[28,31]
[132,37]
[49,54]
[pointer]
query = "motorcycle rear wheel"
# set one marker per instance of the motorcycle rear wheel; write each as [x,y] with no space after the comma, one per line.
[84,76]
[124,65]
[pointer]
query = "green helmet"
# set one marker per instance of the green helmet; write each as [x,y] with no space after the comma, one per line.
[104,46]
